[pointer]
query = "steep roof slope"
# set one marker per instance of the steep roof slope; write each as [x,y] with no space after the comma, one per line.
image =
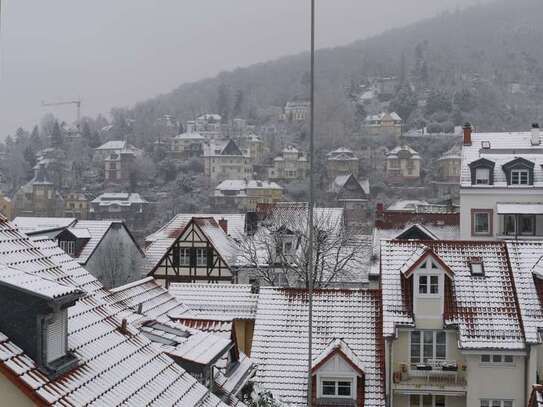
[280,338]
[115,368]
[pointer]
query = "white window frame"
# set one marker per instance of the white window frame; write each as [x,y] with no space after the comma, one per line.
[201,256]
[421,399]
[68,246]
[430,271]
[486,178]
[421,345]
[488,231]
[336,379]
[493,362]
[519,172]
[490,402]
[184,256]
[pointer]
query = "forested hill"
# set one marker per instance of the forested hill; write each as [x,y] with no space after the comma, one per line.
[462,65]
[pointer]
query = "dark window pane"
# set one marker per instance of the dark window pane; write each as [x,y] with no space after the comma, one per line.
[344,388]
[328,388]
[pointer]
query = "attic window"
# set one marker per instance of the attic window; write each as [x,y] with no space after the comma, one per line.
[485,145]
[476,266]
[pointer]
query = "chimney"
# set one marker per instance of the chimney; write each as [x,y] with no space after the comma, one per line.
[223,223]
[467,134]
[124,327]
[536,135]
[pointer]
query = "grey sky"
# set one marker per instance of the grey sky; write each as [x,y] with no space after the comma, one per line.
[117,52]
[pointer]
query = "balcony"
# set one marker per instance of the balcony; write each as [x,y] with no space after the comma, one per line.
[437,376]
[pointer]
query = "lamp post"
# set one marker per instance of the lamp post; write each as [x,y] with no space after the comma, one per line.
[311,206]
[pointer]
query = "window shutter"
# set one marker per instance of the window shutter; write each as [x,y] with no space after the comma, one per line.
[56,336]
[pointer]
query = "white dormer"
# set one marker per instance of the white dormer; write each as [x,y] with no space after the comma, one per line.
[429,278]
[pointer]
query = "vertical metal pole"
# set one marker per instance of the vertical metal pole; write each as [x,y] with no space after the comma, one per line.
[311,206]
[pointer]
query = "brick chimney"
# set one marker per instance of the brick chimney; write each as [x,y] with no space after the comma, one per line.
[467,134]
[536,135]
[223,223]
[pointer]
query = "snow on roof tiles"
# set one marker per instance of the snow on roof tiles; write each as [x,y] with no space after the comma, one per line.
[215,300]
[526,259]
[113,145]
[34,284]
[504,147]
[115,368]
[31,224]
[97,230]
[482,307]
[280,338]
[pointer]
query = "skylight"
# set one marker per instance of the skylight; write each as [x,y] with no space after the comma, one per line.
[476,266]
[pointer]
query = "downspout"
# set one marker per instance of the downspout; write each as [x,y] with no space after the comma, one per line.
[389,374]
[526,372]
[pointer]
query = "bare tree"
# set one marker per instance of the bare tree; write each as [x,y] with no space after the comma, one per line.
[277,253]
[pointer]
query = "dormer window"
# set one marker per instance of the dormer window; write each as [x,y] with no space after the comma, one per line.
[482,176]
[520,177]
[336,388]
[428,284]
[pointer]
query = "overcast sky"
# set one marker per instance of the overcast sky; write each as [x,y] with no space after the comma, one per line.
[117,52]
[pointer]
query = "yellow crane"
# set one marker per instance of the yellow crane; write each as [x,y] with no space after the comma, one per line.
[77,104]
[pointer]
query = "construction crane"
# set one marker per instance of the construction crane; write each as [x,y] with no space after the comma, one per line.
[77,104]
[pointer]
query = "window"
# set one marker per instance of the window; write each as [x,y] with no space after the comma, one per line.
[336,388]
[56,336]
[184,256]
[526,225]
[426,401]
[68,246]
[481,222]
[509,225]
[496,403]
[428,345]
[487,359]
[201,256]
[482,176]
[520,177]
[476,266]
[428,284]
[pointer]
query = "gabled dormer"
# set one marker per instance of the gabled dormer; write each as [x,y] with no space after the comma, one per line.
[37,320]
[428,276]
[482,172]
[73,240]
[416,232]
[338,377]
[519,172]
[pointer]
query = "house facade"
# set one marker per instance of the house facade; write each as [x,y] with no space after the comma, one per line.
[402,164]
[243,195]
[342,161]
[447,345]
[347,192]
[384,125]
[501,185]
[38,197]
[129,207]
[297,110]
[118,166]
[226,160]
[292,164]
[187,145]
[76,205]
[199,250]
[447,180]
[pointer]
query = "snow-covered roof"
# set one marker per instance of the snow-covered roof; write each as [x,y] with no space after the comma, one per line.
[114,368]
[32,225]
[113,145]
[36,285]
[503,148]
[383,116]
[526,261]
[280,338]
[190,136]
[338,345]
[483,308]
[342,154]
[403,151]
[406,205]
[97,229]
[243,185]
[217,300]
[454,153]
[119,198]
[210,116]
[340,181]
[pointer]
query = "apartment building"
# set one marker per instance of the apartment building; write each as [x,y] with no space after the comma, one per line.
[187,145]
[501,185]
[244,195]
[342,161]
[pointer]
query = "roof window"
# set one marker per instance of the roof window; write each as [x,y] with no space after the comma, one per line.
[476,266]
[485,145]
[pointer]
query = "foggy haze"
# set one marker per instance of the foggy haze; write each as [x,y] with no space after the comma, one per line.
[115,53]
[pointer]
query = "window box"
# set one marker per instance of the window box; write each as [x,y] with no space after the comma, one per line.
[449,367]
[422,366]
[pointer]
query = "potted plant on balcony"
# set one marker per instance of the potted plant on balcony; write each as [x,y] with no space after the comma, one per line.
[423,366]
[449,366]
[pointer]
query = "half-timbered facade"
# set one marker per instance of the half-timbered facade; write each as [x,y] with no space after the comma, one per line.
[201,252]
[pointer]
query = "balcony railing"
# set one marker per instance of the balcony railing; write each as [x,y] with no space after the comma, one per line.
[432,373]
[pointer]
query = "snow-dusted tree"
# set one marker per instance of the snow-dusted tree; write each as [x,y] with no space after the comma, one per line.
[277,254]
